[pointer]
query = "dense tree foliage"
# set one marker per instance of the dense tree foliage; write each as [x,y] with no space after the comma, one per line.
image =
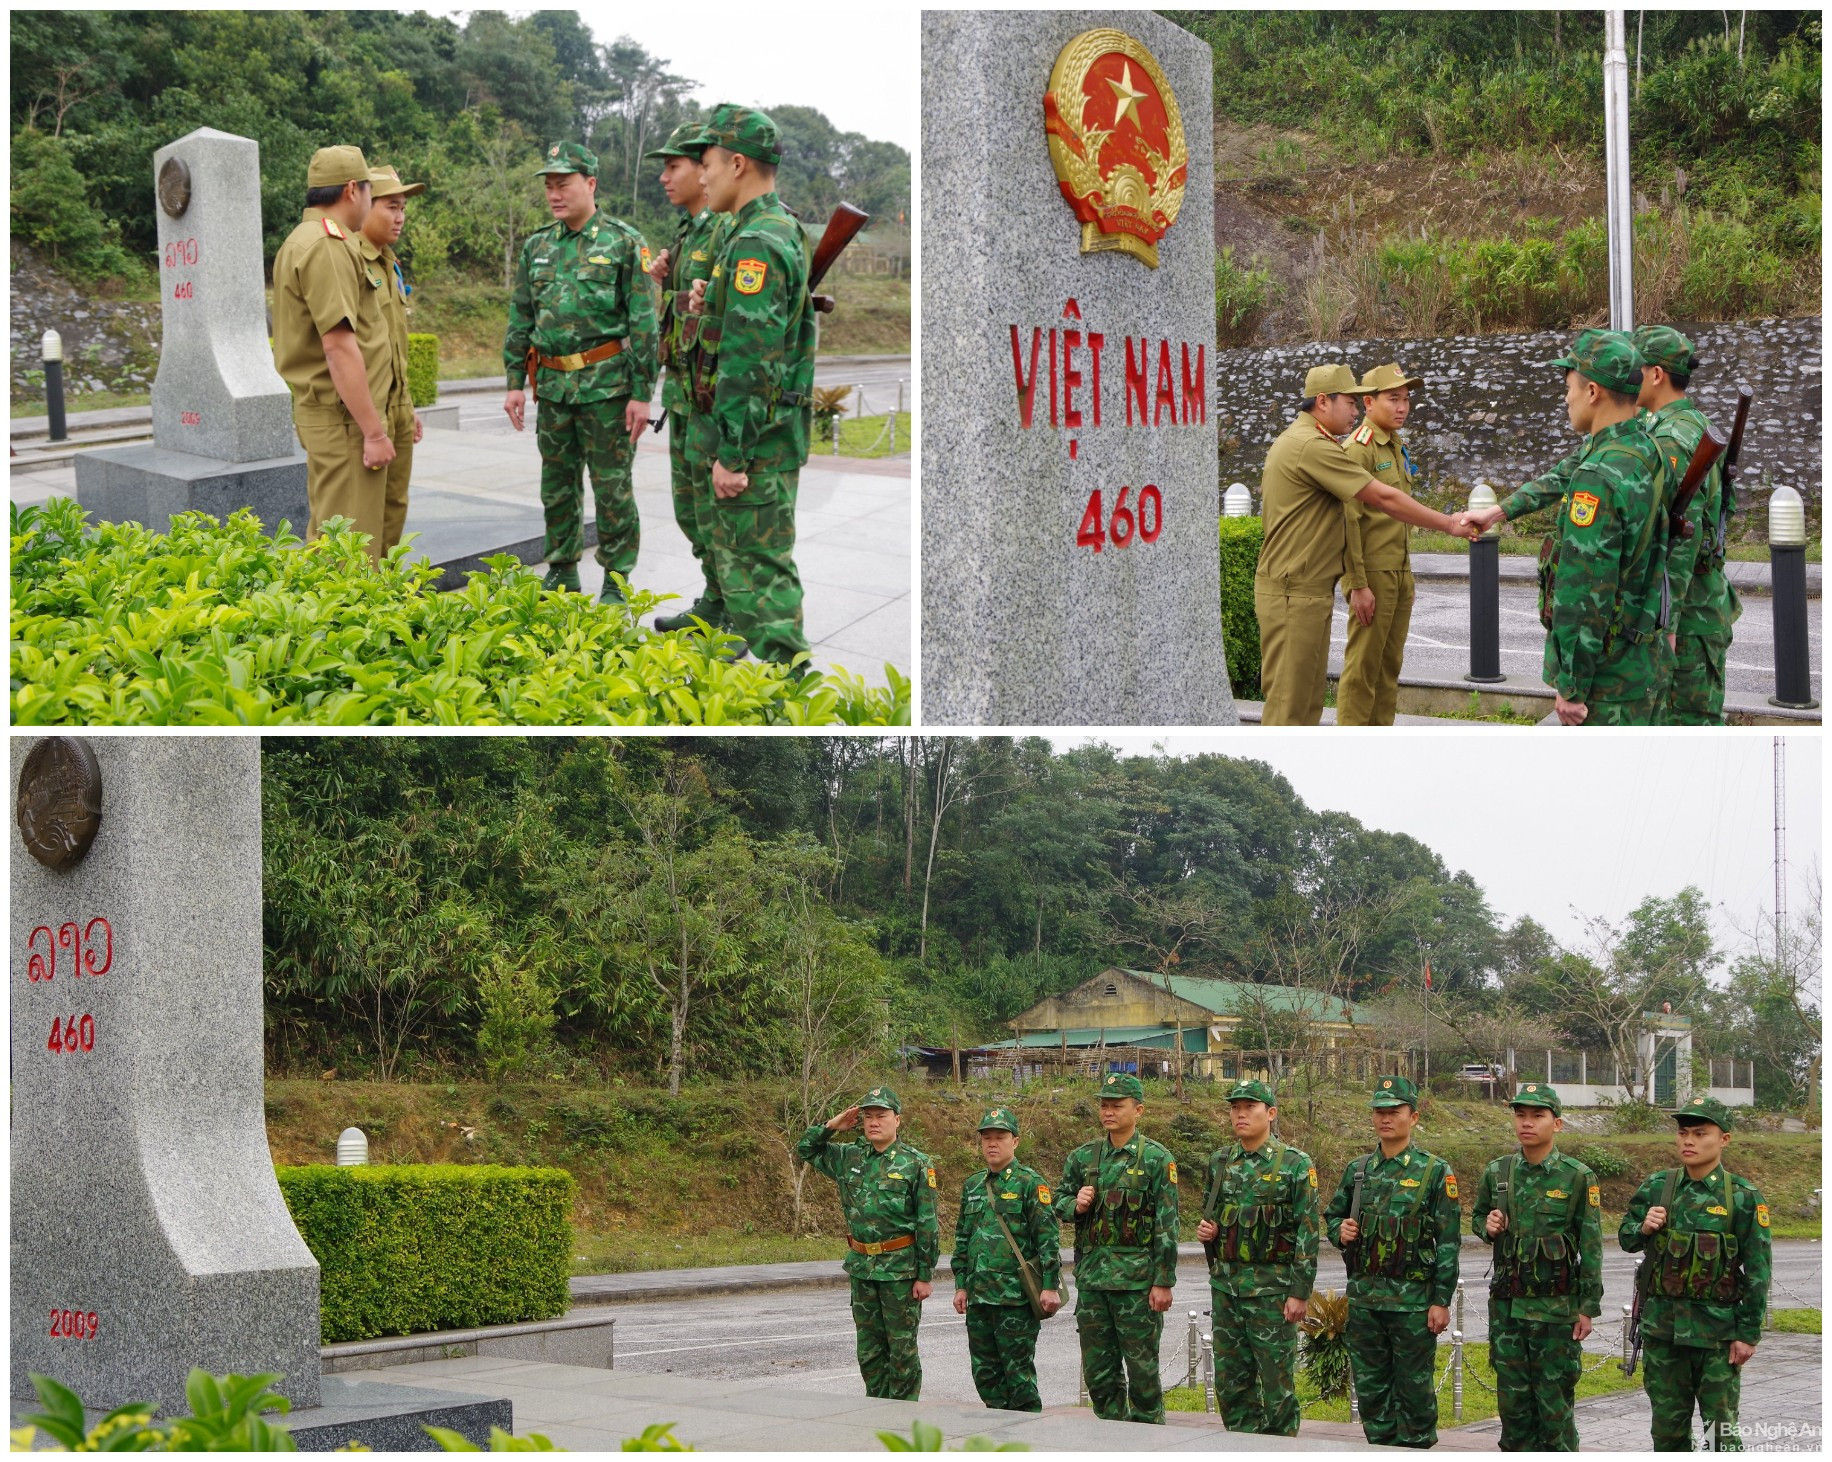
[465,107]
[674,908]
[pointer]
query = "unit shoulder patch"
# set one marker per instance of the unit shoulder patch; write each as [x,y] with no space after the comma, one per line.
[1450,1184]
[1595,1200]
[1173,1175]
[1043,1194]
[930,1173]
[1313,1177]
[1584,508]
[748,275]
[1762,1214]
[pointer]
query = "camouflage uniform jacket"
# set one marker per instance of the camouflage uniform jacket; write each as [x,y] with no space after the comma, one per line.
[759,330]
[1116,1248]
[690,257]
[1556,1201]
[1611,539]
[884,1195]
[1411,1196]
[1272,1191]
[984,1265]
[1375,540]
[1699,1207]
[576,289]
[1704,603]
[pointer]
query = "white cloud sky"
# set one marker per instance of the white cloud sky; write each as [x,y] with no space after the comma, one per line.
[856,63]
[1547,822]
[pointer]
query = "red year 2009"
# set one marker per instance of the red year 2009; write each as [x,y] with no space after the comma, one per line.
[1143,520]
[74,1324]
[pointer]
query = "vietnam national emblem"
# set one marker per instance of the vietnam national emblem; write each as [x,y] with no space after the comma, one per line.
[1116,139]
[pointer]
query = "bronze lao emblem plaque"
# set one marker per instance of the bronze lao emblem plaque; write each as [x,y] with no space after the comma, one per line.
[60,801]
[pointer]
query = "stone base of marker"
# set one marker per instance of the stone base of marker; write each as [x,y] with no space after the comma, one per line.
[148,484]
[440,416]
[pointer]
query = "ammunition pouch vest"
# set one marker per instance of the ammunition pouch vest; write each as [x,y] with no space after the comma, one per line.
[1530,1264]
[1691,1265]
[1258,1233]
[1390,1247]
[1123,1220]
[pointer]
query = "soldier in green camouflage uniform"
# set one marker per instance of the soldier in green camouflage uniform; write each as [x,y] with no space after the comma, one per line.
[1607,657]
[1705,1234]
[887,1192]
[1262,1248]
[1704,603]
[1005,1212]
[1541,1212]
[582,303]
[1401,1256]
[1120,1192]
[754,375]
[687,259]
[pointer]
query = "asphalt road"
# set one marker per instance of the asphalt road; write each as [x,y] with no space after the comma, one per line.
[1437,644]
[804,1338]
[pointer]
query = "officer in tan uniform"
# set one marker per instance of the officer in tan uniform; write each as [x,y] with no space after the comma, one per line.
[1377,580]
[1309,478]
[331,347]
[387,217]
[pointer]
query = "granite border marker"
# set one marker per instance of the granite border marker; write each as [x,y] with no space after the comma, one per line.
[1022,623]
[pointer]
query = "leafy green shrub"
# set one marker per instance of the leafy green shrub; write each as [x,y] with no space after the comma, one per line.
[433,1247]
[225,1417]
[1323,1348]
[1242,297]
[216,624]
[423,369]
[1601,1161]
[51,211]
[1240,550]
[1638,1117]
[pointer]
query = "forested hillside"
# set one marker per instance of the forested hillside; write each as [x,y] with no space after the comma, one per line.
[684,909]
[465,107]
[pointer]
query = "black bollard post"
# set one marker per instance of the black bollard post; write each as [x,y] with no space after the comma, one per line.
[53,354]
[1484,598]
[1787,560]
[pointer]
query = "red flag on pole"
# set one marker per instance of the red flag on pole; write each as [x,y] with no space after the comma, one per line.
[1427,974]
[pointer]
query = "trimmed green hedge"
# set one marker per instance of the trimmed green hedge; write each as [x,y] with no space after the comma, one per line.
[423,368]
[404,1250]
[1240,551]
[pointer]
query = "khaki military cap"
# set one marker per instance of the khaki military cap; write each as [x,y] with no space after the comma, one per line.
[1331,380]
[386,183]
[1389,378]
[334,166]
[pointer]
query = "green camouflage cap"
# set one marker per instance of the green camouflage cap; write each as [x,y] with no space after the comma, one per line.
[999,1119]
[332,167]
[1395,1091]
[1607,357]
[1663,346]
[1705,1109]
[1331,380]
[740,129]
[1119,1084]
[679,143]
[881,1096]
[1538,1094]
[1252,1091]
[569,157]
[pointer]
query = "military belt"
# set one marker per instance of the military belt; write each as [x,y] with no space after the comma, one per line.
[579,360]
[887,1246]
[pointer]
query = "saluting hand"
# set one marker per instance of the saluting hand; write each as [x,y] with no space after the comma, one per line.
[659,269]
[845,1121]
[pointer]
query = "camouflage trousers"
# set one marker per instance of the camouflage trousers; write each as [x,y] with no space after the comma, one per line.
[1368,693]
[753,545]
[692,481]
[1392,1354]
[575,438]
[1002,1349]
[1680,1377]
[1256,1358]
[887,1317]
[1644,711]
[1697,694]
[1119,1335]
[1536,1376]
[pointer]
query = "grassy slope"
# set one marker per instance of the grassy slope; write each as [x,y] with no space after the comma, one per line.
[705,1178]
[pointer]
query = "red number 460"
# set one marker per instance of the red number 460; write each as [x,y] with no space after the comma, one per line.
[1097,530]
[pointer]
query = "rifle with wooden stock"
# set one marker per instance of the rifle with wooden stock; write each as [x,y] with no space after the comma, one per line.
[842,228]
